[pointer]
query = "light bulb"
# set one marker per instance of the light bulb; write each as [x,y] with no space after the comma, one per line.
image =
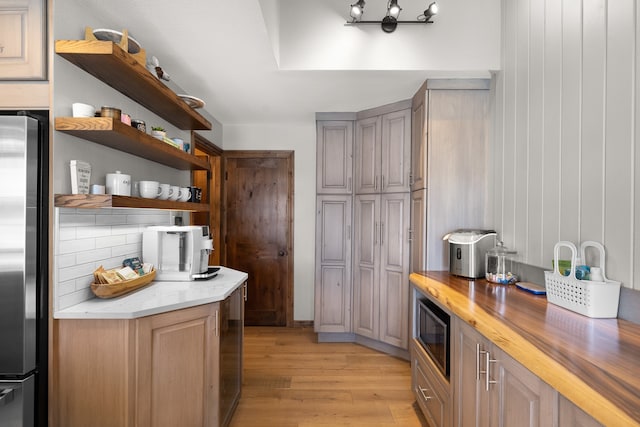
[394,9]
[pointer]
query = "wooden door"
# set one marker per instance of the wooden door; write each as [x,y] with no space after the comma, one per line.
[258,231]
[333,264]
[334,157]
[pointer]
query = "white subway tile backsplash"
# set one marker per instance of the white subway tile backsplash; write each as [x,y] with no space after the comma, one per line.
[67,233]
[148,219]
[126,249]
[125,229]
[74,298]
[84,282]
[69,273]
[75,220]
[87,238]
[134,238]
[65,288]
[66,260]
[72,246]
[110,241]
[111,219]
[86,232]
[95,255]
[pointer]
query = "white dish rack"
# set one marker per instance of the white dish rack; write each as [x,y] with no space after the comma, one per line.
[589,298]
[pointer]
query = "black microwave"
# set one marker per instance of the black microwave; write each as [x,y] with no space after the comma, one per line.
[433,329]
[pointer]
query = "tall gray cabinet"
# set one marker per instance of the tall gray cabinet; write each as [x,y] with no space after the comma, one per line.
[334,151]
[363,294]
[381,219]
[449,166]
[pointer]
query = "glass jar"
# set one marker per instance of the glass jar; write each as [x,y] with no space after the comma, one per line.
[499,265]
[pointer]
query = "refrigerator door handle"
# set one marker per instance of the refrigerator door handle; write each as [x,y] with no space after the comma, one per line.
[6,396]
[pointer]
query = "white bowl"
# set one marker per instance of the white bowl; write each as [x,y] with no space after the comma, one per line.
[82,110]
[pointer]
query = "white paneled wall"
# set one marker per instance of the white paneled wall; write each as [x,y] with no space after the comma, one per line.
[85,239]
[567,114]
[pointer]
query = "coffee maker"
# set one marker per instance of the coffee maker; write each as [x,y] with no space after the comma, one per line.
[178,253]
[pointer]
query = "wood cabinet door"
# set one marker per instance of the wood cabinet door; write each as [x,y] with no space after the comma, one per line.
[367,239]
[333,264]
[396,152]
[177,373]
[518,398]
[394,269]
[418,231]
[23,39]
[368,152]
[572,416]
[491,389]
[419,140]
[334,157]
[470,399]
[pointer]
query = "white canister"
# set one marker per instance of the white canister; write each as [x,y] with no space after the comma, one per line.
[118,184]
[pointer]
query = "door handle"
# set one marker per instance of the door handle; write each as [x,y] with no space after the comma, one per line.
[488,379]
[282,253]
[6,396]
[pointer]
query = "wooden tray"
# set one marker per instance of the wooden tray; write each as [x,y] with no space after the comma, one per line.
[117,289]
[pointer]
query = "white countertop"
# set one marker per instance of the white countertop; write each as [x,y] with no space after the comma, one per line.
[158,297]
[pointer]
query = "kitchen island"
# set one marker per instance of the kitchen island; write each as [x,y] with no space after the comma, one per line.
[593,363]
[165,355]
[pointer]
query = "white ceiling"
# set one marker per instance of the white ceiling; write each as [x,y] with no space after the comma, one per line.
[280,61]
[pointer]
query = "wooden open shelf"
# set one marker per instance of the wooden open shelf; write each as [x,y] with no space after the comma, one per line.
[99,201]
[115,134]
[109,63]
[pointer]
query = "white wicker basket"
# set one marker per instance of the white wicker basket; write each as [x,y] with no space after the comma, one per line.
[589,298]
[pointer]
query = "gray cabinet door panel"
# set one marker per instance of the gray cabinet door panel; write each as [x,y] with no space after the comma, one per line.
[334,152]
[333,264]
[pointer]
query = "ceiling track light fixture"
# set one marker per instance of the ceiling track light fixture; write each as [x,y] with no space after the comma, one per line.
[390,21]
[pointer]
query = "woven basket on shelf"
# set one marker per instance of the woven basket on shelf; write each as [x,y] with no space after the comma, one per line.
[589,298]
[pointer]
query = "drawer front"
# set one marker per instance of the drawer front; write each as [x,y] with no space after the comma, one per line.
[431,394]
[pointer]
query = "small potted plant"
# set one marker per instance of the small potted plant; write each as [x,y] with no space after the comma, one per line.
[158,132]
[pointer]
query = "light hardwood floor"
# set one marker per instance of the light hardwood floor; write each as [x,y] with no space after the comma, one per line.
[290,380]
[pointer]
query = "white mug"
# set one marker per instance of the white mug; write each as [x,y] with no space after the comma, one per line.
[97,189]
[185,194]
[78,109]
[174,192]
[165,190]
[149,189]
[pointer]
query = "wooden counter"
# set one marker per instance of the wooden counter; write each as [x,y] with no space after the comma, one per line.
[595,363]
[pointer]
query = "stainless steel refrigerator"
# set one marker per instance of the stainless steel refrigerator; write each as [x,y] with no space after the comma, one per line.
[23,268]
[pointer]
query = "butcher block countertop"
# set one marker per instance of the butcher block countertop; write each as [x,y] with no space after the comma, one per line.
[595,363]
